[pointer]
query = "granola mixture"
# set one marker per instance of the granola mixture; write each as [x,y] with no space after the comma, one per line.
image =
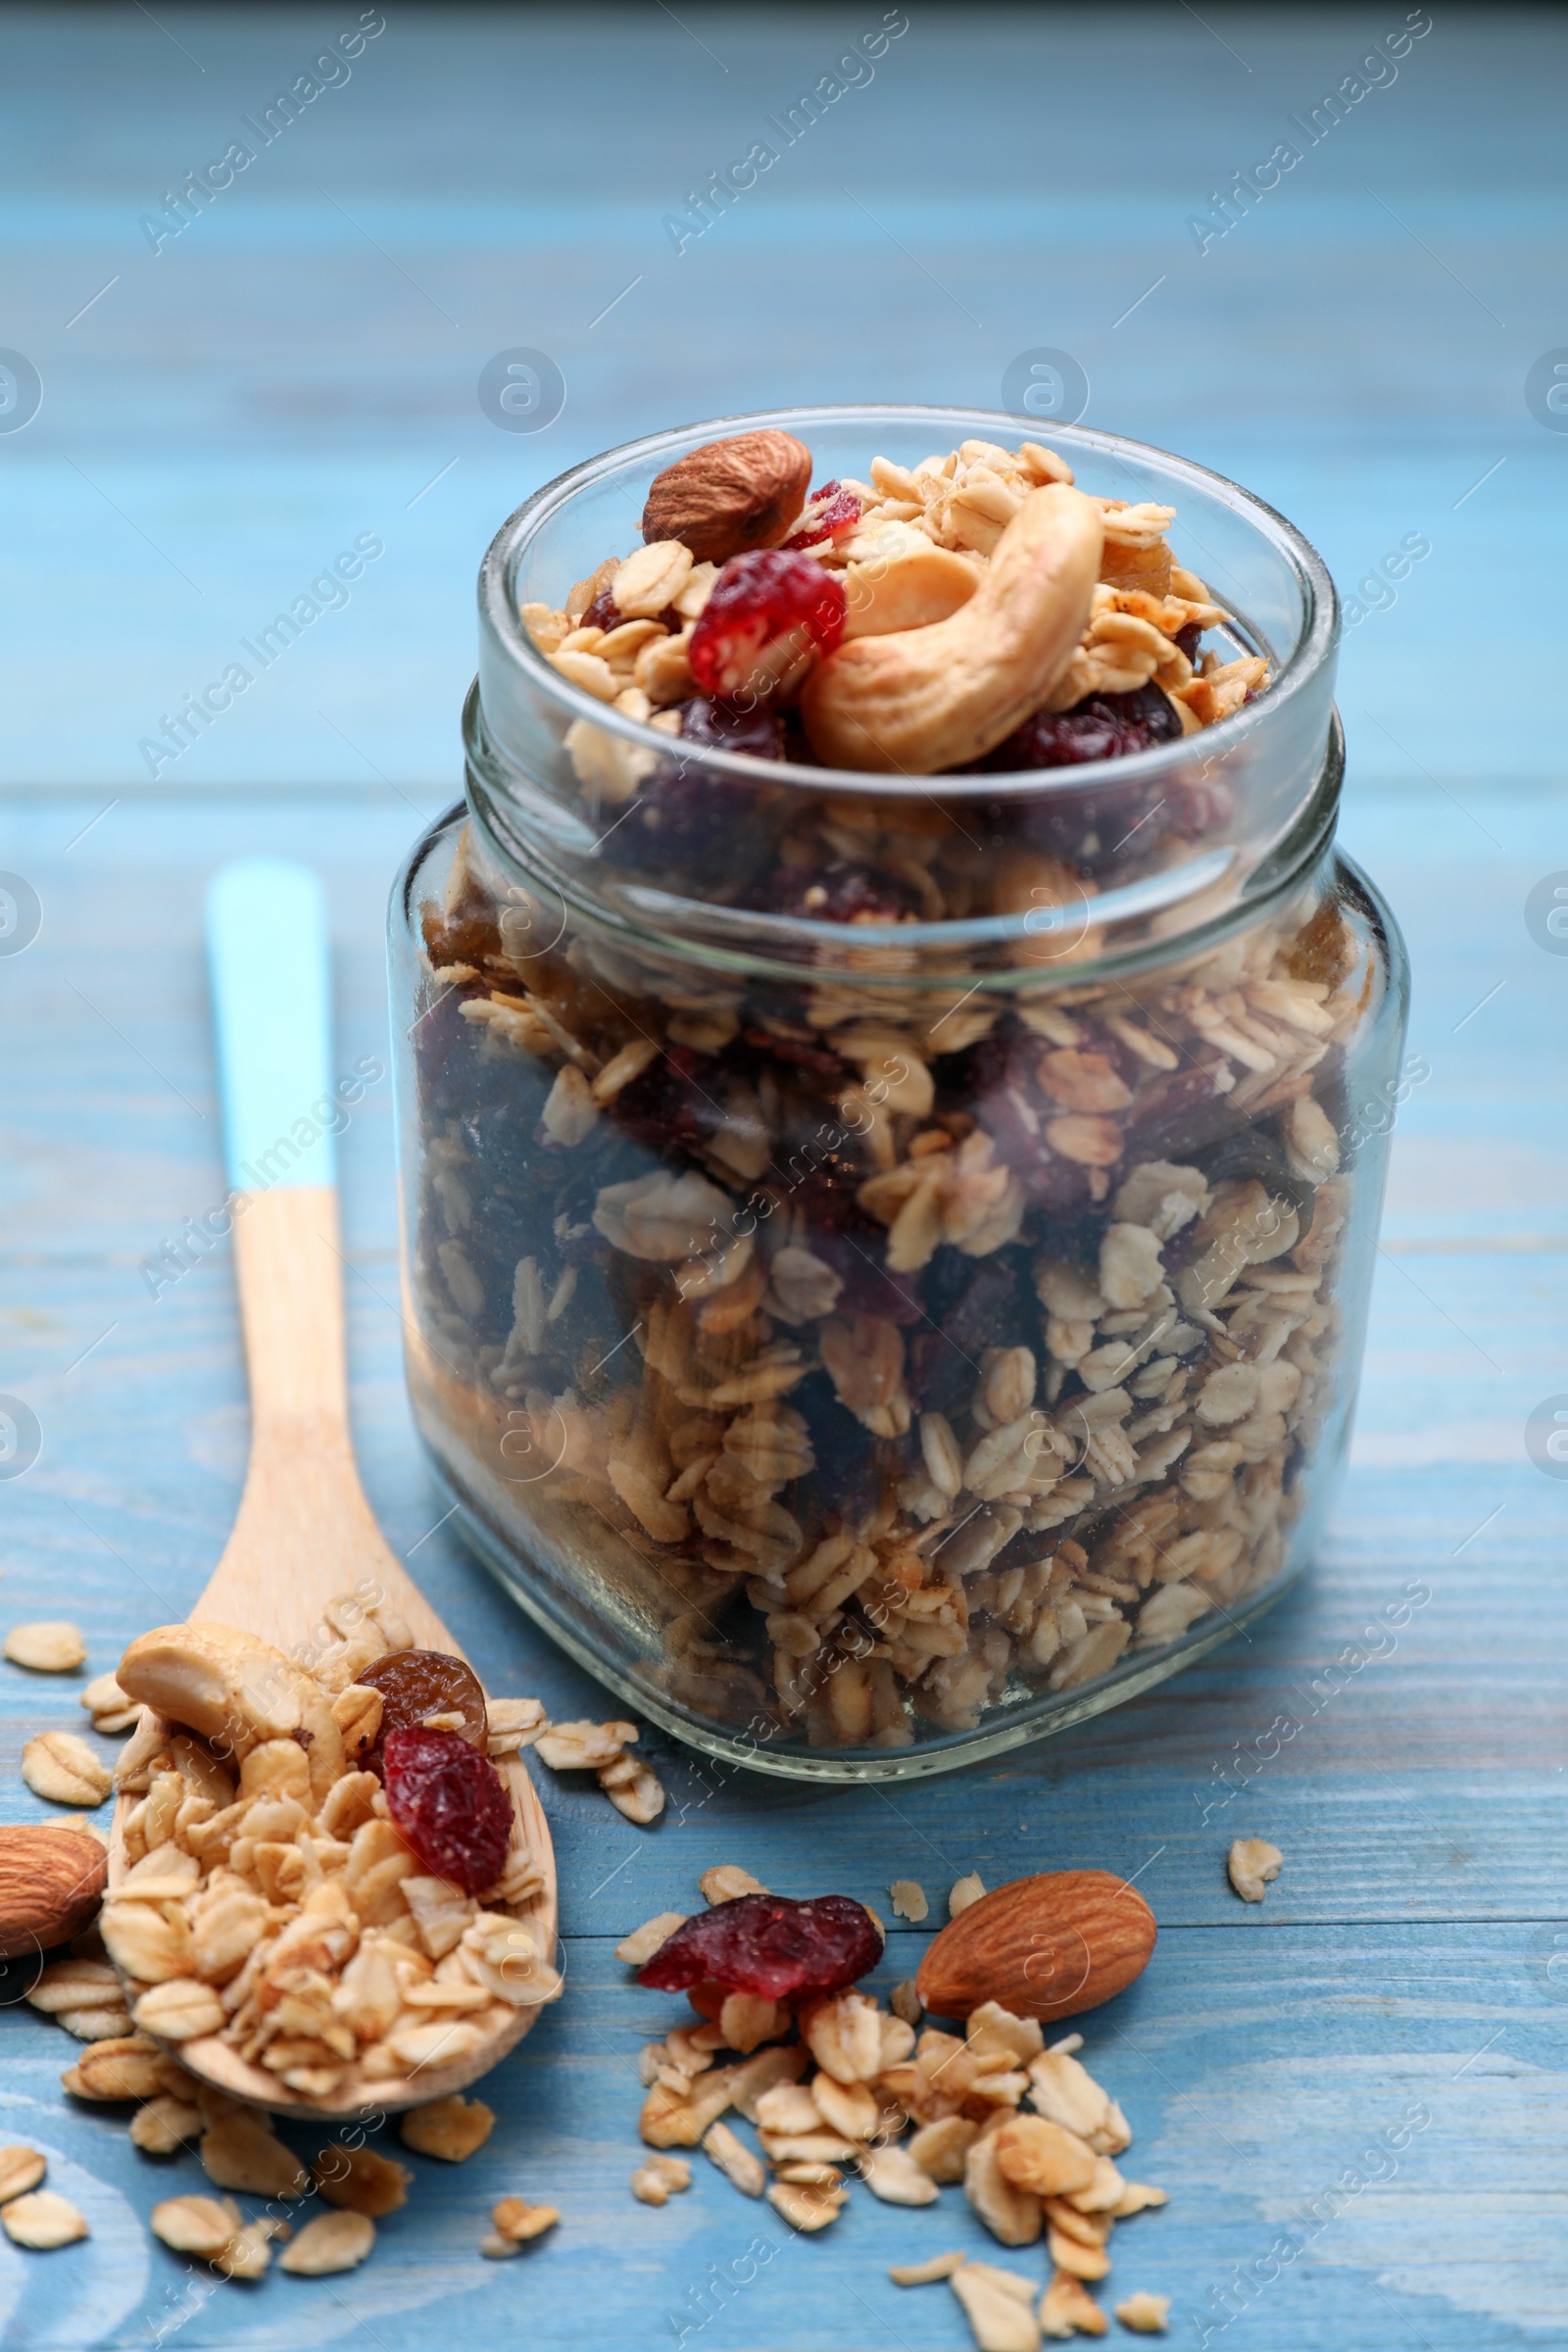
[890,1347]
[269,1895]
[831,2085]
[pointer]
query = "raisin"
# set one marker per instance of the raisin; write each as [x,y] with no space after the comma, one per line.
[681,814]
[603,614]
[728,727]
[944,1362]
[838,894]
[795,1052]
[769,1946]
[419,1683]
[765,611]
[1188,639]
[450,1804]
[868,1288]
[674,1100]
[1103,726]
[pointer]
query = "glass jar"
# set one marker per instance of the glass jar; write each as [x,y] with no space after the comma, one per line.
[887,1257]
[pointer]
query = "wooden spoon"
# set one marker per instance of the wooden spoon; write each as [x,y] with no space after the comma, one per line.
[305,1536]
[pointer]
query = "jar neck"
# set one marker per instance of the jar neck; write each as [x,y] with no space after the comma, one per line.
[1078,938]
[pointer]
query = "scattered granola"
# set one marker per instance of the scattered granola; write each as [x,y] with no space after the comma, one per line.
[59,1766]
[43,2220]
[1144,2314]
[1251,1864]
[452,2128]
[20,2168]
[519,2221]
[910,1900]
[660,2177]
[964,1892]
[52,1645]
[833,2084]
[332,2241]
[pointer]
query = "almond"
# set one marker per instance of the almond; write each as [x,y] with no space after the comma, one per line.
[1045,1947]
[729,496]
[50,1885]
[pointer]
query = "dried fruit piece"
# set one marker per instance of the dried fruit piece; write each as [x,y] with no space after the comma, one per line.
[766,613]
[1103,726]
[769,1945]
[830,511]
[448,1803]
[729,495]
[417,1684]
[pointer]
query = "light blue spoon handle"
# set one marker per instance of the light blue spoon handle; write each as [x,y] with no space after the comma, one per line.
[269,955]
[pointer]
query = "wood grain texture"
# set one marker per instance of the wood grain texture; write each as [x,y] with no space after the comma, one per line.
[273,383]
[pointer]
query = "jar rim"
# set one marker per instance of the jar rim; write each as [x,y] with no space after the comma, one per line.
[1297,669]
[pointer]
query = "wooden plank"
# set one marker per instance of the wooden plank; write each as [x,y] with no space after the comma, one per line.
[1257,2070]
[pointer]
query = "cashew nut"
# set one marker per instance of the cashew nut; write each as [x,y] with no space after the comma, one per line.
[235,1691]
[935,698]
[905,582]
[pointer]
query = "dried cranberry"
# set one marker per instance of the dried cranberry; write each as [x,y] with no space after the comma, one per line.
[603,614]
[758,731]
[769,1946]
[765,611]
[830,513]
[1103,726]
[1188,641]
[837,894]
[449,1803]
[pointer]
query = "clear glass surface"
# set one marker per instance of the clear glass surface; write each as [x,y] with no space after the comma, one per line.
[867,1345]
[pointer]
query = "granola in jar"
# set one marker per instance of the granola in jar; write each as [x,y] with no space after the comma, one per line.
[888,1221]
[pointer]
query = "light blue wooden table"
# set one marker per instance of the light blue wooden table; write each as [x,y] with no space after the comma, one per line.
[298,366]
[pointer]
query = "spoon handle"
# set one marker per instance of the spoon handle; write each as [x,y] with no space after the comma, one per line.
[268,951]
